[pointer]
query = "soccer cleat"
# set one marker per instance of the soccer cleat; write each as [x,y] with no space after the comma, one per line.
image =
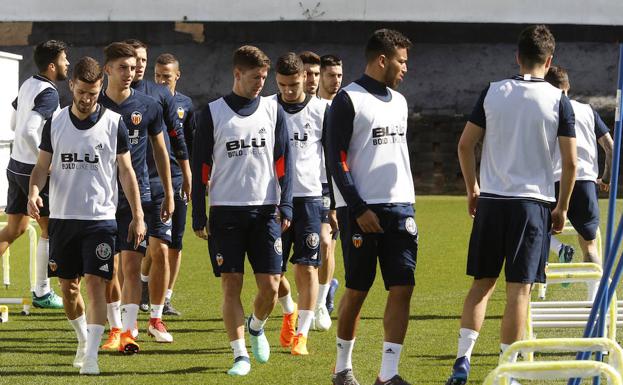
[396,380]
[460,372]
[565,254]
[114,339]
[80,353]
[127,344]
[330,303]
[288,327]
[158,330]
[322,319]
[168,309]
[345,377]
[47,301]
[90,366]
[241,367]
[299,345]
[259,344]
[144,305]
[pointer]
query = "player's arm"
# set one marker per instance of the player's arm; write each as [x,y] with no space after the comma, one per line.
[569,159]
[39,174]
[332,213]
[339,132]
[161,159]
[201,167]
[45,105]
[602,133]
[13,115]
[284,167]
[175,130]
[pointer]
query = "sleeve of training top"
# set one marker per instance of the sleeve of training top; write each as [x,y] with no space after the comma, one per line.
[339,133]
[566,118]
[600,127]
[155,124]
[123,140]
[175,127]
[326,162]
[284,164]
[202,165]
[46,139]
[188,129]
[478,116]
[46,102]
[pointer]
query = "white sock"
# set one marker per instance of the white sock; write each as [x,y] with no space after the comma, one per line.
[113,312]
[287,304]
[323,291]
[256,324]
[344,354]
[93,339]
[554,245]
[129,314]
[503,348]
[304,323]
[80,326]
[43,258]
[144,278]
[467,340]
[156,311]
[390,360]
[239,348]
[168,295]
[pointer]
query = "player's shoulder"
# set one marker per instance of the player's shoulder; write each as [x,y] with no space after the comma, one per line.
[181,98]
[144,99]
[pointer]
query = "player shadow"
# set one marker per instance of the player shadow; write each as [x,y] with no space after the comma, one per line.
[450,357]
[62,330]
[197,351]
[105,373]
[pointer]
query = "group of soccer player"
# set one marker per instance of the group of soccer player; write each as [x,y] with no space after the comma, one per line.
[283,173]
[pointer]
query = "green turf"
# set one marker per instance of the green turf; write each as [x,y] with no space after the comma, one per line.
[38,349]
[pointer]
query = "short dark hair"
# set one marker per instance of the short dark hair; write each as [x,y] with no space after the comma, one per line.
[87,70]
[289,64]
[558,77]
[118,50]
[167,58]
[47,52]
[386,42]
[248,57]
[135,43]
[330,61]
[309,57]
[535,44]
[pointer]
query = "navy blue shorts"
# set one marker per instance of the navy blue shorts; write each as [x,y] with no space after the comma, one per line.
[396,248]
[17,196]
[179,221]
[510,232]
[252,230]
[584,208]
[326,203]
[124,217]
[79,247]
[155,227]
[304,233]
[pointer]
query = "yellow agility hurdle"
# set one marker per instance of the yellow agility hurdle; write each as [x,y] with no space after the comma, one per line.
[549,370]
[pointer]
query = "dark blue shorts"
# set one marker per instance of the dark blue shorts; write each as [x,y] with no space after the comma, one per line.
[124,217]
[155,227]
[326,203]
[79,247]
[252,230]
[510,232]
[395,249]
[583,208]
[304,233]
[17,196]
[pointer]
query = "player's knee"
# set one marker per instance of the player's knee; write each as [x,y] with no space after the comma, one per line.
[14,232]
[70,290]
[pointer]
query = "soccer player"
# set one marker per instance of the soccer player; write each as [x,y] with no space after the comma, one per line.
[167,73]
[311,61]
[304,115]
[520,120]
[584,206]
[242,150]
[36,102]
[84,147]
[368,159]
[143,117]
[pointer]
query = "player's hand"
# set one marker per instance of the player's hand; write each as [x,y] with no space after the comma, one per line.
[136,231]
[202,233]
[187,188]
[559,217]
[333,221]
[369,222]
[603,186]
[285,224]
[33,206]
[472,203]
[166,209]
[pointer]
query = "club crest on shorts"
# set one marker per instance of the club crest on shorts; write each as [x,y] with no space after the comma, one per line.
[278,246]
[219,259]
[52,265]
[312,240]
[326,202]
[357,240]
[103,251]
[180,112]
[410,226]
[136,118]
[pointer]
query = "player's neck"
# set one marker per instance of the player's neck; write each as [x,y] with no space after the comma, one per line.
[48,76]
[537,72]
[82,115]
[117,94]
[322,94]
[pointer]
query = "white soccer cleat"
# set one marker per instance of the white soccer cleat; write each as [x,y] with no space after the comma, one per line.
[322,319]
[80,353]
[90,366]
[158,330]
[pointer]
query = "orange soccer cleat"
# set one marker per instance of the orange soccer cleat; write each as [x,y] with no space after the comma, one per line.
[288,327]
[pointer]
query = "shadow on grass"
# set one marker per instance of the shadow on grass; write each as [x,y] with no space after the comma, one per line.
[149,352]
[444,357]
[57,373]
[430,317]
